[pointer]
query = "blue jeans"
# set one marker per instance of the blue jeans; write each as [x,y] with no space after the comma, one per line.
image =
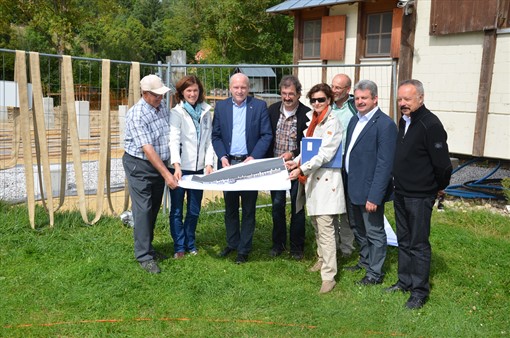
[183,234]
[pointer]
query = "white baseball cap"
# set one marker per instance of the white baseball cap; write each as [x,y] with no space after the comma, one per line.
[152,83]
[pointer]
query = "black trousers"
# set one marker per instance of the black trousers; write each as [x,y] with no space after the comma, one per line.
[240,233]
[412,216]
[297,220]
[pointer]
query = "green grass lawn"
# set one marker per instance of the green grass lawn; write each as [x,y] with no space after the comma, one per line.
[80,281]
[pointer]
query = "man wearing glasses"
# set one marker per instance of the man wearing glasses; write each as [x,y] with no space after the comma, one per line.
[288,122]
[146,150]
[344,109]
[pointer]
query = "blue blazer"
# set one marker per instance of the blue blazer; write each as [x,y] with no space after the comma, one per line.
[258,128]
[371,160]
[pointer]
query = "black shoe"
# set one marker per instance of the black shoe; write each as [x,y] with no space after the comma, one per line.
[297,255]
[240,259]
[158,256]
[225,252]
[395,287]
[414,302]
[353,268]
[369,281]
[275,252]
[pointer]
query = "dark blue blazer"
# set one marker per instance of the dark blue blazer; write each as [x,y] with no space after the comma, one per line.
[258,128]
[371,160]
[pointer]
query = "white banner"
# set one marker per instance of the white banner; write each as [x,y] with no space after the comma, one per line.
[255,175]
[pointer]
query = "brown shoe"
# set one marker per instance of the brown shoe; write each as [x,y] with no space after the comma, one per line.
[316,267]
[179,255]
[327,286]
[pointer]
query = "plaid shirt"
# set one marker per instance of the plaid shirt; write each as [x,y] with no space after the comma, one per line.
[147,125]
[286,134]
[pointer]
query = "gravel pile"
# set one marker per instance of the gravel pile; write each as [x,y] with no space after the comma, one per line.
[12,186]
[474,172]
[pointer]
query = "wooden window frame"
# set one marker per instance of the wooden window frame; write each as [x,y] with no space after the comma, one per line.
[314,40]
[367,8]
[379,36]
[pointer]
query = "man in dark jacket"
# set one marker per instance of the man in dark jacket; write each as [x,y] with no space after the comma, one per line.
[241,132]
[422,169]
[288,121]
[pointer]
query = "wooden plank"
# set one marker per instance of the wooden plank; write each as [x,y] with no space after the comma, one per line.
[484,92]
[333,37]
[298,41]
[460,16]
[406,52]
[396,32]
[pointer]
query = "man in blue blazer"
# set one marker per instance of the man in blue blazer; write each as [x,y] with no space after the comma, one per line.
[241,132]
[370,150]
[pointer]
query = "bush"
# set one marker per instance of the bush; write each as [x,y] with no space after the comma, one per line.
[506,188]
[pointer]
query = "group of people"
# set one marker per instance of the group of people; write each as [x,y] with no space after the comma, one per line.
[345,203]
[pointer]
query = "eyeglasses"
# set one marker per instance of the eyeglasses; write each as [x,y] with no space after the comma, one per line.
[338,87]
[318,99]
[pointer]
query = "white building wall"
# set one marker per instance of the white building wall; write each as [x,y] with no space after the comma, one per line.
[449,67]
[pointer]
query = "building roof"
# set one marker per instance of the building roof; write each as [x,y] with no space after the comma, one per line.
[256,71]
[292,5]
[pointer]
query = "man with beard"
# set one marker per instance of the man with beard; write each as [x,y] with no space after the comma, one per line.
[288,122]
[422,169]
[344,109]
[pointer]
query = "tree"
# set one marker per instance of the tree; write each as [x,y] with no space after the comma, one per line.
[222,31]
[244,32]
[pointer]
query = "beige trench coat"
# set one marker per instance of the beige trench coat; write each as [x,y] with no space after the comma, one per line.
[324,190]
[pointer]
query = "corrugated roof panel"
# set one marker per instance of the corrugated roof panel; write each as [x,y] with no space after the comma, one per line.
[291,5]
[257,71]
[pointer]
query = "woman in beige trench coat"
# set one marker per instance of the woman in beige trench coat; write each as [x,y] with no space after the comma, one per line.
[323,186]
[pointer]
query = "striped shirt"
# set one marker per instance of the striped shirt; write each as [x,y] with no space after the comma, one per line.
[147,125]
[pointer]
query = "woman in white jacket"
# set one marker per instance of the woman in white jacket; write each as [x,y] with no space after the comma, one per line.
[323,185]
[191,152]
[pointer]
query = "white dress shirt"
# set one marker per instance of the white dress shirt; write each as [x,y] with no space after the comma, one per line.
[362,122]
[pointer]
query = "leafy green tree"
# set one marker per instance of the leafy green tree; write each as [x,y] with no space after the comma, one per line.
[244,32]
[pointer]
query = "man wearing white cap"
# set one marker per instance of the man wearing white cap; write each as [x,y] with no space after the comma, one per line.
[146,150]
